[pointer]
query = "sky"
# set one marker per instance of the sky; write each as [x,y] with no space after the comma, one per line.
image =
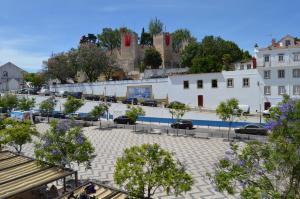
[31,30]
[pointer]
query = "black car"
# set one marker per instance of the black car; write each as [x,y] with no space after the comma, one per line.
[252,129]
[130,101]
[182,124]
[60,115]
[123,120]
[92,97]
[112,99]
[149,103]
[90,117]
[45,114]
[77,95]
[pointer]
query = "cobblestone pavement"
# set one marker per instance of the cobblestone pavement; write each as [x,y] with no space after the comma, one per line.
[199,155]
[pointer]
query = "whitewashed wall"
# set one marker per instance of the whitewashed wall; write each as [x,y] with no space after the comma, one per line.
[116,88]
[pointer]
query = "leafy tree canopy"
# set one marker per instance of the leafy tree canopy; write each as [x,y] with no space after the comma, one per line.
[92,60]
[178,110]
[25,104]
[211,50]
[110,39]
[152,58]
[36,79]
[16,134]
[8,101]
[144,169]
[134,112]
[266,170]
[155,26]
[180,36]
[48,106]
[64,144]
[72,105]
[146,38]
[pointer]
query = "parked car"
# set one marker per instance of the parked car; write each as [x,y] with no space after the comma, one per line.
[123,120]
[174,102]
[182,124]
[266,113]
[77,95]
[252,129]
[130,101]
[58,114]
[112,99]
[92,97]
[89,117]
[149,103]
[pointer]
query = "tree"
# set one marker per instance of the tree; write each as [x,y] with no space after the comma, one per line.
[72,105]
[99,110]
[16,134]
[142,170]
[134,112]
[189,53]
[36,79]
[110,39]
[92,60]
[213,51]
[59,66]
[8,101]
[25,104]
[178,110]
[227,59]
[155,26]
[90,38]
[227,110]
[64,144]
[152,58]
[205,64]
[266,170]
[146,38]
[180,36]
[48,106]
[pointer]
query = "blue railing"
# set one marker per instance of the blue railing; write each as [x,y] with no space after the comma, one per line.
[195,122]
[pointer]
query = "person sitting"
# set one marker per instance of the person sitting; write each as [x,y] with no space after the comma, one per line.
[90,189]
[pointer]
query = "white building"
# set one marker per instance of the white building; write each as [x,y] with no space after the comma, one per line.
[259,82]
[11,77]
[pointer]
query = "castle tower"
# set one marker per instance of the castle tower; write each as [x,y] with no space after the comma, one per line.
[163,44]
[129,51]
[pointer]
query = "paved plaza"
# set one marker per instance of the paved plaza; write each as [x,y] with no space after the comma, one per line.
[199,155]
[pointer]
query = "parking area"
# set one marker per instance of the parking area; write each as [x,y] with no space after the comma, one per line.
[199,155]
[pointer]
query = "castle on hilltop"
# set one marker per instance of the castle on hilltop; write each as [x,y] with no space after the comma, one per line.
[130,55]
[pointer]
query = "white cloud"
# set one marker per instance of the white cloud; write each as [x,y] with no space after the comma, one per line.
[13,50]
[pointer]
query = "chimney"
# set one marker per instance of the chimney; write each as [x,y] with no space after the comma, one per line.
[273,42]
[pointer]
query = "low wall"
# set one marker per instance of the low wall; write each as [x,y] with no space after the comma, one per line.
[116,88]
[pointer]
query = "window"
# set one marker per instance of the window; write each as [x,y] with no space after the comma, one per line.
[246,82]
[248,66]
[280,73]
[281,90]
[287,42]
[214,83]
[5,73]
[267,58]
[185,84]
[241,67]
[199,84]
[267,74]
[267,90]
[280,58]
[296,56]
[296,73]
[230,83]
[296,89]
